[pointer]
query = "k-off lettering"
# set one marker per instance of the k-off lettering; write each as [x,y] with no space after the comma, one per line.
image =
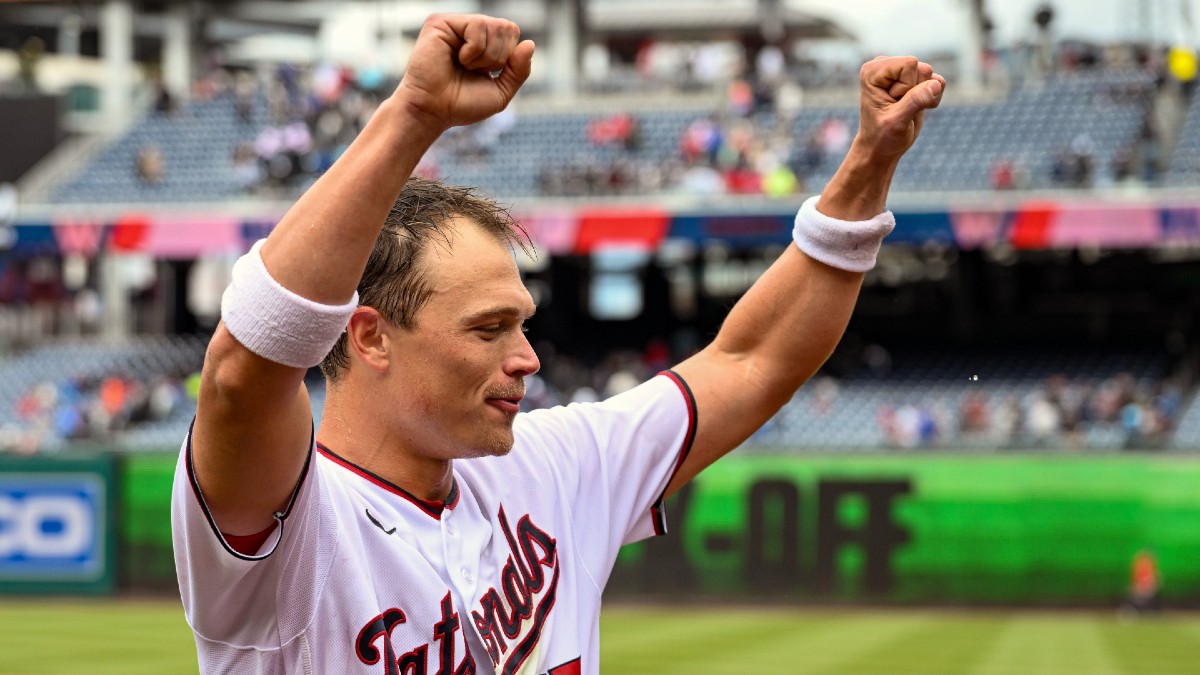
[377,634]
[510,619]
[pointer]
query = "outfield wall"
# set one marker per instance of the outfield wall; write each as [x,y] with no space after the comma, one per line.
[1021,529]
[927,528]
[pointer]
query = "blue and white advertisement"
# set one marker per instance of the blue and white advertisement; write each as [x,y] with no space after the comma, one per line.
[55,528]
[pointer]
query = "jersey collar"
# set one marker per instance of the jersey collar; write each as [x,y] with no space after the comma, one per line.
[431,507]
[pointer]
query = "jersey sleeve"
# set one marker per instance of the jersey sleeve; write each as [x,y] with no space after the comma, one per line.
[615,458]
[258,601]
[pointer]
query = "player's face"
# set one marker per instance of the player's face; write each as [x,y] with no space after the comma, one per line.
[461,368]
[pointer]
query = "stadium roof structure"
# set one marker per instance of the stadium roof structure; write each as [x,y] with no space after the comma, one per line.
[685,19]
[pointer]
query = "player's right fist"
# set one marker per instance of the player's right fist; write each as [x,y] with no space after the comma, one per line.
[449,80]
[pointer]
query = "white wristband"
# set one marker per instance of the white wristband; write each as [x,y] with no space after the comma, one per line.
[275,323]
[844,244]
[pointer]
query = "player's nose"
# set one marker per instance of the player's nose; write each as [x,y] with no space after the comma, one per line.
[524,361]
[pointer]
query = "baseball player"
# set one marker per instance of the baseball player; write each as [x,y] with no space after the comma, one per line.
[428,527]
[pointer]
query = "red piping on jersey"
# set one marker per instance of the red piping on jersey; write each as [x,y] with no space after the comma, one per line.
[433,508]
[660,518]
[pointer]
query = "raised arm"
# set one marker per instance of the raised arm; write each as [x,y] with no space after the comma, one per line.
[791,319]
[253,422]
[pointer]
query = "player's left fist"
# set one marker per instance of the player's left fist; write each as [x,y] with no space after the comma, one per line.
[895,92]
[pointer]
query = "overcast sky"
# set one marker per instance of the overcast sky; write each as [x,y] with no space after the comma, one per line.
[918,26]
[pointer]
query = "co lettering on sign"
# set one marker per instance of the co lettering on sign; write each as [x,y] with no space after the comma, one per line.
[51,528]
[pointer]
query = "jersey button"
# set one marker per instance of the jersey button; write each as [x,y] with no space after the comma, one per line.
[466,573]
[450,530]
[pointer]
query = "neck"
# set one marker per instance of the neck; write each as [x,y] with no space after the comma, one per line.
[352,429]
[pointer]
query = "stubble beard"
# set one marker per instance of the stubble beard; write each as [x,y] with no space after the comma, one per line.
[494,443]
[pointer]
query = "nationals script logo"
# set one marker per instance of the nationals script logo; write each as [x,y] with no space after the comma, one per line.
[509,617]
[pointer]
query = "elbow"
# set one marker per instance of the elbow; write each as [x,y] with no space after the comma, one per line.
[221,380]
[235,378]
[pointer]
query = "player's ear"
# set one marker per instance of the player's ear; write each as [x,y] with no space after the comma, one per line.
[366,336]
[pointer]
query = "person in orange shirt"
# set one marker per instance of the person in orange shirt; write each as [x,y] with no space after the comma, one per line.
[1144,582]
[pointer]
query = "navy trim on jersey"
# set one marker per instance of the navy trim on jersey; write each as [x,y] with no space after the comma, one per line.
[432,508]
[657,510]
[212,523]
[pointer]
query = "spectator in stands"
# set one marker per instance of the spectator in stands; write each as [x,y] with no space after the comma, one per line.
[474,143]
[150,166]
[1125,169]
[246,168]
[973,416]
[789,99]
[742,178]
[1043,422]
[1083,150]
[620,130]
[245,89]
[164,101]
[812,155]
[28,58]
[835,137]
[740,98]
[702,179]
[825,394]
[1062,169]
[1007,421]
[702,138]
[780,181]
[1002,174]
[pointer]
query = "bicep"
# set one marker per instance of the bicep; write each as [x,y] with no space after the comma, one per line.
[734,395]
[251,436]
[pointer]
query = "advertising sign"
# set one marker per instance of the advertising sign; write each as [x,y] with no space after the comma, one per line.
[55,525]
[1027,529]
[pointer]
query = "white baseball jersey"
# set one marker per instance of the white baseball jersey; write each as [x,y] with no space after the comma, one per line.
[505,576]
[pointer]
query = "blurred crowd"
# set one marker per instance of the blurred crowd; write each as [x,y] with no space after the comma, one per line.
[748,146]
[312,115]
[1129,411]
[734,153]
[88,409]
[1060,414]
[565,379]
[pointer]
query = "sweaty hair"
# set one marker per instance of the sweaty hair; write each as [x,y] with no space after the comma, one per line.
[394,281]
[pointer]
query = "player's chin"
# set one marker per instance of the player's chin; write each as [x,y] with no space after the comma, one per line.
[495,442]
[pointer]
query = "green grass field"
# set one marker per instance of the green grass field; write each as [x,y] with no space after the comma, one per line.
[133,637]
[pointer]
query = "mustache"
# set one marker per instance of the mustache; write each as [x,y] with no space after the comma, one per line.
[512,391]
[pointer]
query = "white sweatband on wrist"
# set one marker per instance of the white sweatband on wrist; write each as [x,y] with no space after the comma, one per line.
[275,323]
[845,244]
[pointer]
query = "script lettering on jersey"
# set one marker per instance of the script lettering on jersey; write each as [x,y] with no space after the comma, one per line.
[416,661]
[510,616]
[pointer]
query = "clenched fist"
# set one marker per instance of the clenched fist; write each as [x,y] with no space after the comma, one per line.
[895,93]
[463,69]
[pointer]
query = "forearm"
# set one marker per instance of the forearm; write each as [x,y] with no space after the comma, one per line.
[321,246]
[859,189]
